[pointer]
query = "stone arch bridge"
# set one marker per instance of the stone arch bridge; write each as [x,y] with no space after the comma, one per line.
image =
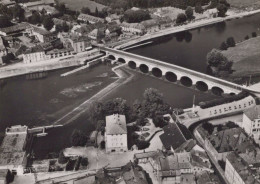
[175,73]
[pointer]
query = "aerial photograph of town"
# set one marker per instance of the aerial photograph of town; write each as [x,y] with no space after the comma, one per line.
[129,91]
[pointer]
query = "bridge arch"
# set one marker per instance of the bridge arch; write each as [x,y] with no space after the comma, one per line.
[112,57]
[144,68]
[202,86]
[170,76]
[132,64]
[122,60]
[186,81]
[217,90]
[157,72]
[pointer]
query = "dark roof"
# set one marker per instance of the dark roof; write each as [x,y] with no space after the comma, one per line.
[134,174]
[37,48]
[253,113]
[15,28]
[172,137]
[187,146]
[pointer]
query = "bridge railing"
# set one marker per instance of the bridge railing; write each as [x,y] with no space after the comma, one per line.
[182,69]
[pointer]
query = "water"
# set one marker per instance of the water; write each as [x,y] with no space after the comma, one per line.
[40,102]
[189,50]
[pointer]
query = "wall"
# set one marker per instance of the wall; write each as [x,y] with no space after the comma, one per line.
[116,142]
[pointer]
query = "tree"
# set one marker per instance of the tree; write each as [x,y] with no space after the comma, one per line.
[84,161]
[189,13]
[48,23]
[62,159]
[246,37]
[4,22]
[141,121]
[254,34]
[35,18]
[60,7]
[231,42]
[101,124]
[153,96]
[78,138]
[18,12]
[223,46]
[198,8]
[159,121]
[132,16]
[181,18]
[222,9]
[209,127]
[141,144]
[96,12]
[215,58]
[85,10]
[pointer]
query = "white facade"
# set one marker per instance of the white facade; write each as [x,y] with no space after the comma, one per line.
[251,125]
[116,143]
[231,174]
[116,133]
[34,57]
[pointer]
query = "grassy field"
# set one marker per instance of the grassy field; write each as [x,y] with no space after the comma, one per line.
[246,57]
[77,5]
[245,3]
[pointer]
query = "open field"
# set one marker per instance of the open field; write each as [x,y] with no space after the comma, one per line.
[77,5]
[246,57]
[254,4]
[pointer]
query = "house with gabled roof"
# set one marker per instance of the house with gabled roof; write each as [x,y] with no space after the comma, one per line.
[116,133]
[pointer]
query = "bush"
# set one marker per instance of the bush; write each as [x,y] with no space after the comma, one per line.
[254,34]
[223,46]
[246,37]
[181,18]
[141,144]
[62,159]
[215,58]
[209,127]
[189,12]
[84,161]
[231,42]
[78,138]
[222,9]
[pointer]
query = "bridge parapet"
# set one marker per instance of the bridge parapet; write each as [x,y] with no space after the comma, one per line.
[179,72]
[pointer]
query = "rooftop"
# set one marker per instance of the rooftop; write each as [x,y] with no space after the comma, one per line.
[175,162]
[116,124]
[13,143]
[172,137]
[90,18]
[134,175]
[37,48]
[15,158]
[242,168]
[15,28]
[41,31]
[145,154]
[253,113]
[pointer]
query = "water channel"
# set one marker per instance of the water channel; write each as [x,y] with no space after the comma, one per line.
[41,102]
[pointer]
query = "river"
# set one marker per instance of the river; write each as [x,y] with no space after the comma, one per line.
[40,102]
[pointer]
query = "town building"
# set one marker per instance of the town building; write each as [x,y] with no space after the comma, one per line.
[35,4]
[41,34]
[134,28]
[14,30]
[171,168]
[13,151]
[89,18]
[173,137]
[80,43]
[116,133]
[251,122]
[34,54]
[4,176]
[97,34]
[238,171]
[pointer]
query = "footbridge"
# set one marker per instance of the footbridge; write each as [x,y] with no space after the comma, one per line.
[175,73]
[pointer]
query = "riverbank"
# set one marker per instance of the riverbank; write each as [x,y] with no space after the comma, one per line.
[186,27]
[52,64]
[246,58]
